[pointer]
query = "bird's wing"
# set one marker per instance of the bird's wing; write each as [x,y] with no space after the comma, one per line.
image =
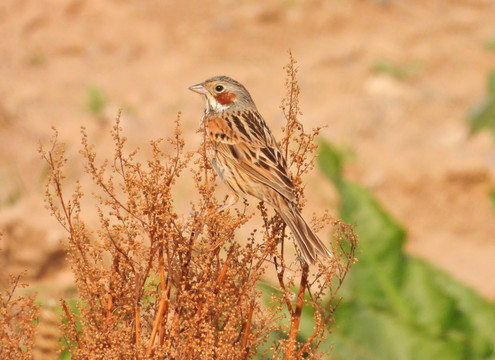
[246,141]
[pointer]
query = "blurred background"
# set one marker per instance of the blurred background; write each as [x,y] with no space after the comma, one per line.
[392,81]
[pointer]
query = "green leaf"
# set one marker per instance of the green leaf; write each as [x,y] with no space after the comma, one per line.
[333,161]
[399,72]
[491,194]
[482,115]
[490,44]
[96,100]
[381,237]
[369,333]
[396,306]
[491,84]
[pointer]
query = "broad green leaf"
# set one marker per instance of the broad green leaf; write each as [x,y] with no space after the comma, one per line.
[380,268]
[363,332]
[396,306]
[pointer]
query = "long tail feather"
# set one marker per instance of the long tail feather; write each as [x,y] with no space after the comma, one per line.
[309,243]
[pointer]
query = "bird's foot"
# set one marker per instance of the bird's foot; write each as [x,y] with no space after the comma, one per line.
[232,199]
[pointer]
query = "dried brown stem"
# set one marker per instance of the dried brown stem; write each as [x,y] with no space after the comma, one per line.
[225,267]
[71,321]
[296,316]
[162,330]
[285,293]
[247,331]
[158,318]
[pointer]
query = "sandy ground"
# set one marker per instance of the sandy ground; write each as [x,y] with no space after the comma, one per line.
[409,135]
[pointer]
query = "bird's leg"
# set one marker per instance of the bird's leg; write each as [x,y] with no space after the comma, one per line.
[231,200]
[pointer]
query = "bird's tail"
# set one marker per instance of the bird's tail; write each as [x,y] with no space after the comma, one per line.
[310,244]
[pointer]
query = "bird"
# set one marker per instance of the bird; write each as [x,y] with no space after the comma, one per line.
[245,155]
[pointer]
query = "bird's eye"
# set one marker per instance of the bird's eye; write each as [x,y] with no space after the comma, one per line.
[219,88]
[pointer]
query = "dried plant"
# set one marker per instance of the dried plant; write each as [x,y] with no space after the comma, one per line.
[157,284]
[18,314]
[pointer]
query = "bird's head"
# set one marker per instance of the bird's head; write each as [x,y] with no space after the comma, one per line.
[222,93]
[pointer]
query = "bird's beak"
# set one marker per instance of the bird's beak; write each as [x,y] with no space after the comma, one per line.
[199,88]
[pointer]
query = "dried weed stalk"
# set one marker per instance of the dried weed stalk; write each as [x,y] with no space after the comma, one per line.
[156,284]
[18,314]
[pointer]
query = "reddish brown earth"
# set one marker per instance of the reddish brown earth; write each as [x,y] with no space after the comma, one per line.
[409,136]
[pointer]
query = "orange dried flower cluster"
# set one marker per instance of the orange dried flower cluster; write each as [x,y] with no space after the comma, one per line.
[17,320]
[156,284]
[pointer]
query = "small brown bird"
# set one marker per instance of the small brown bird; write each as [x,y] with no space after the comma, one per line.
[246,156]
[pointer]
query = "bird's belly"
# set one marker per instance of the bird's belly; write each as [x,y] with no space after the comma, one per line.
[236,181]
[240,182]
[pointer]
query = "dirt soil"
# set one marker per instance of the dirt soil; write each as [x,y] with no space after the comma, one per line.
[406,127]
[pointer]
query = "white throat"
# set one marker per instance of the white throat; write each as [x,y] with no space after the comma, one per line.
[213,105]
